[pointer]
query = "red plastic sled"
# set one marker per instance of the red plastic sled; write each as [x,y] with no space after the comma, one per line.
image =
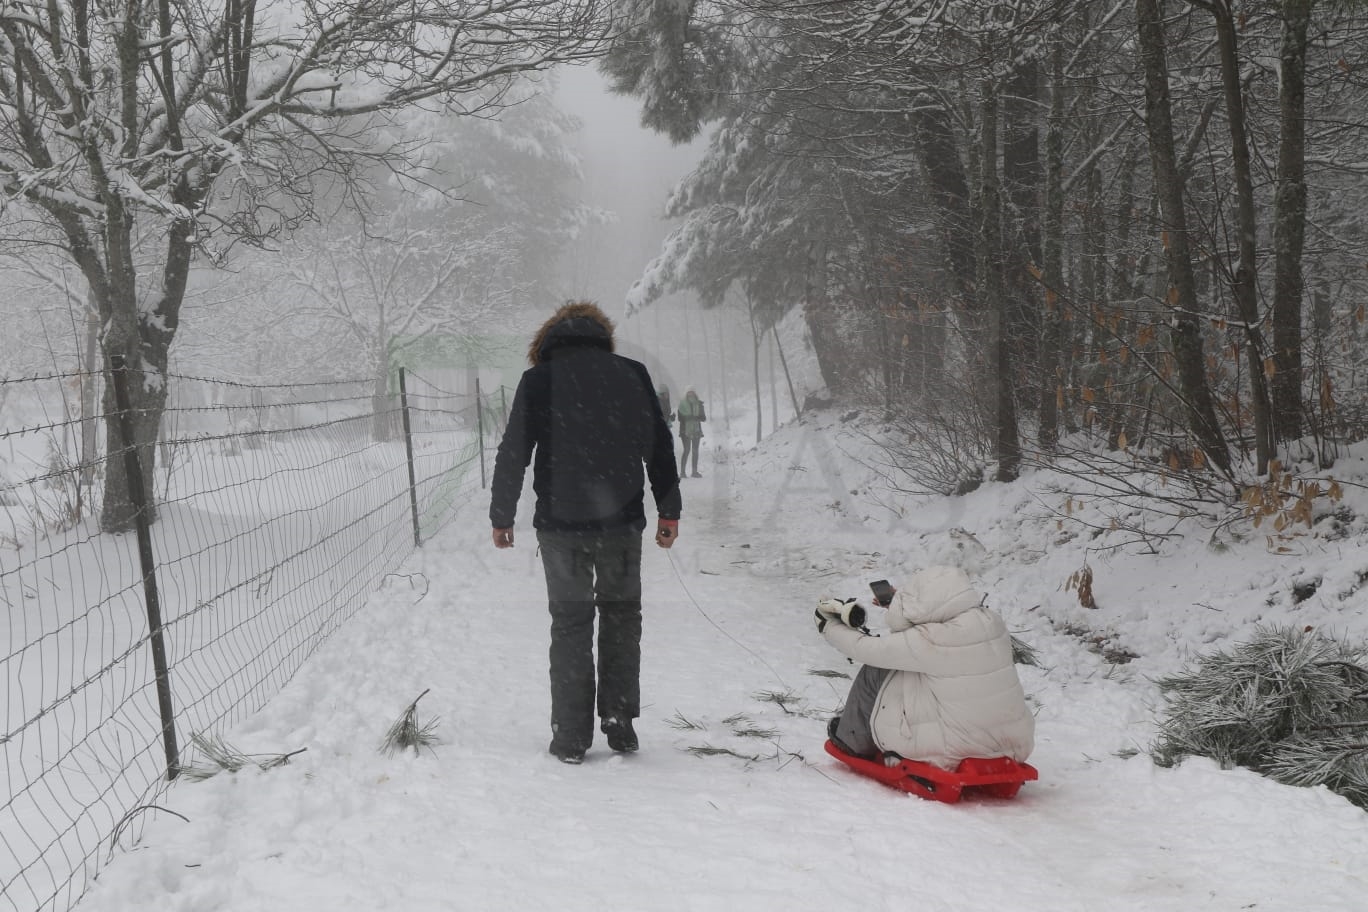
[998,777]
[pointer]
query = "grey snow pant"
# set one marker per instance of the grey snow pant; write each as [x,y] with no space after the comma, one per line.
[585,572]
[853,730]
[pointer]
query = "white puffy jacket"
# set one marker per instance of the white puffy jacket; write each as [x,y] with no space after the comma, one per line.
[953,692]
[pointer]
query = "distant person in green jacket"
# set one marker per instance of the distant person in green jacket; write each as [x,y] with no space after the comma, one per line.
[663,394]
[691,417]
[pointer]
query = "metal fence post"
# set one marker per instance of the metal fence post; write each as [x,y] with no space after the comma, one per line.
[408,448]
[479,420]
[138,495]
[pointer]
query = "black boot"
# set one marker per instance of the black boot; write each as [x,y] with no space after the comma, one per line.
[567,753]
[841,745]
[621,737]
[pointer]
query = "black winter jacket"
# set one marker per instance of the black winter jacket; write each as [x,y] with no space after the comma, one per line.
[592,420]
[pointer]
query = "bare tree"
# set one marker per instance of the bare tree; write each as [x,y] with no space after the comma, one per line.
[152,132]
[1052,255]
[997,340]
[1244,278]
[1289,228]
[1182,300]
[406,282]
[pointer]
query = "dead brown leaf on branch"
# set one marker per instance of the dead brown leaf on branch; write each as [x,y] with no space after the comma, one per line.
[1286,500]
[1082,580]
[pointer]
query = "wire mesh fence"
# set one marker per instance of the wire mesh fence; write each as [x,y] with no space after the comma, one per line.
[278,510]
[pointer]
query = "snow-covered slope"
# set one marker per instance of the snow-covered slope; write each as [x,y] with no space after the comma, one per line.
[731,801]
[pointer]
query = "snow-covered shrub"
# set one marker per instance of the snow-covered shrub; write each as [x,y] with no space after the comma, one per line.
[1291,704]
[936,448]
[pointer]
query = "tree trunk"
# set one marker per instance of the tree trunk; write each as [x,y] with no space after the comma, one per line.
[1052,261]
[90,387]
[144,339]
[147,401]
[774,383]
[726,368]
[1024,178]
[1322,323]
[707,353]
[1124,267]
[688,342]
[755,370]
[949,187]
[788,378]
[1245,279]
[1185,327]
[1115,390]
[821,322]
[381,425]
[992,292]
[1289,223]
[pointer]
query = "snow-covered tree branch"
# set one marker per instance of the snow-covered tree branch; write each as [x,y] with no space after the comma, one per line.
[151,133]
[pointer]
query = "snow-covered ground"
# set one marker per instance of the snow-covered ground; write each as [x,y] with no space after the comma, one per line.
[488,820]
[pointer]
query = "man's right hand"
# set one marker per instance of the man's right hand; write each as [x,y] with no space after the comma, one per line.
[667,530]
[503,538]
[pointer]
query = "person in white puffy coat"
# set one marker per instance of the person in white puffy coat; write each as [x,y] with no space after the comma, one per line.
[941,685]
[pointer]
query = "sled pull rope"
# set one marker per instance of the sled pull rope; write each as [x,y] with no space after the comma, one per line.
[778,677]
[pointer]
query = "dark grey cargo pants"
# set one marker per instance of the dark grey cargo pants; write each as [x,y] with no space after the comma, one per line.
[585,572]
[853,729]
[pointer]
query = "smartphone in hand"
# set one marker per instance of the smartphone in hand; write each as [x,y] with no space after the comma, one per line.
[883,592]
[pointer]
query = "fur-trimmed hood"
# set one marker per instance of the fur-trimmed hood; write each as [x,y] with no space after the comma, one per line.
[575,324]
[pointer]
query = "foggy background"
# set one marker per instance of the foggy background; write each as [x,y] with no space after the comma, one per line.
[629,172]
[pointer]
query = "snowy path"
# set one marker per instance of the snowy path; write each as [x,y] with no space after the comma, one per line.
[490,821]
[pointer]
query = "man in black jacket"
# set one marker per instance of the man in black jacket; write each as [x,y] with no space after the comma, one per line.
[591,420]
